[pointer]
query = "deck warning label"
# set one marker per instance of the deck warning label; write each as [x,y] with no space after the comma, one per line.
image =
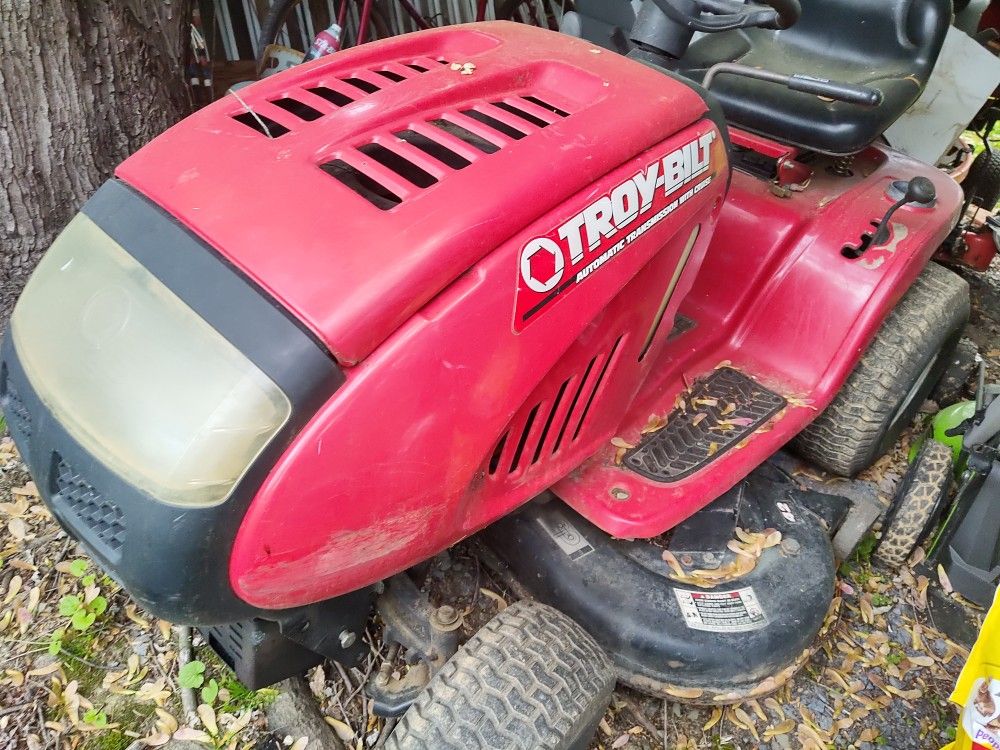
[721,611]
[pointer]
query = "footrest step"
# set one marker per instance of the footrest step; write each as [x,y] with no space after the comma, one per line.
[719,412]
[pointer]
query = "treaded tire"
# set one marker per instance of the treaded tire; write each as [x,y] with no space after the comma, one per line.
[530,679]
[917,503]
[982,183]
[964,361]
[892,379]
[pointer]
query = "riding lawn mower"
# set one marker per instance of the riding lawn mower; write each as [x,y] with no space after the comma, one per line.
[495,280]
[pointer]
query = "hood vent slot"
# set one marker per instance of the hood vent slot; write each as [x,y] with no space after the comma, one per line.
[404,168]
[376,194]
[360,83]
[262,124]
[334,97]
[434,149]
[394,77]
[538,122]
[297,108]
[465,135]
[545,105]
[501,127]
[564,418]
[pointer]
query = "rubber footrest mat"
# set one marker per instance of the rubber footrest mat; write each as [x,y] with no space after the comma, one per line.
[722,409]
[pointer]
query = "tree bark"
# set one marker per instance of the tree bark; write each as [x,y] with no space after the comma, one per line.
[83,84]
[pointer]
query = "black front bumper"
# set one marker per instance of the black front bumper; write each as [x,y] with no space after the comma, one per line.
[173,560]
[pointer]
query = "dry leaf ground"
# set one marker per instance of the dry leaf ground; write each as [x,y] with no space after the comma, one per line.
[879,680]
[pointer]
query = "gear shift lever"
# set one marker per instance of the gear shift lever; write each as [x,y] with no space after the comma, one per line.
[918,190]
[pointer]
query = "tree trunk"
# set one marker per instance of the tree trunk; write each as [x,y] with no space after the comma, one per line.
[83,84]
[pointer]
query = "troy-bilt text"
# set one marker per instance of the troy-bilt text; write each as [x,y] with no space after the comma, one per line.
[569,254]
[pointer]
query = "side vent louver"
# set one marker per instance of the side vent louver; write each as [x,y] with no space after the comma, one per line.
[562,419]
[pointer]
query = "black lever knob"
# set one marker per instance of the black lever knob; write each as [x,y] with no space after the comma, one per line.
[918,190]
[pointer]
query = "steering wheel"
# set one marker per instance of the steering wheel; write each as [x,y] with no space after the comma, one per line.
[724,15]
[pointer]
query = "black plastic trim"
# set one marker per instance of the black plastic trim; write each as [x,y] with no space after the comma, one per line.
[175,560]
[714,113]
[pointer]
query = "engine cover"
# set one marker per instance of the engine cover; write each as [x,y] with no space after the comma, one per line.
[355,188]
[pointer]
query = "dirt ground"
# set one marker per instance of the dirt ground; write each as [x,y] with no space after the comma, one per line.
[81,667]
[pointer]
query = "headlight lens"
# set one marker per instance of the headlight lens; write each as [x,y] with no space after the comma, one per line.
[137,377]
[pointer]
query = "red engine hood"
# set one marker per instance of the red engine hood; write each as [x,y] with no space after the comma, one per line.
[555,112]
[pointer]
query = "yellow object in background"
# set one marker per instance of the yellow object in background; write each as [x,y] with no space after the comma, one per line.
[978,690]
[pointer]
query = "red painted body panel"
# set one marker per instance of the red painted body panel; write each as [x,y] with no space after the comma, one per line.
[777,298]
[354,273]
[979,252]
[398,464]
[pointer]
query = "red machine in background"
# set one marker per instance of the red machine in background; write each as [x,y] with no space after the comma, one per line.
[313,335]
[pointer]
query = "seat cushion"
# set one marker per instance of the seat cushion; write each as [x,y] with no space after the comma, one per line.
[891,45]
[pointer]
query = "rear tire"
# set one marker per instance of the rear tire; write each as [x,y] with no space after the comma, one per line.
[982,184]
[892,379]
[530,679]
[917,503]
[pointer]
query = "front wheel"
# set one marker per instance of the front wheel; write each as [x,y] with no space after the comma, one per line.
[530,679]
[890,382]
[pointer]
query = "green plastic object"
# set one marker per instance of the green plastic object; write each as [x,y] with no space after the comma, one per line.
[948,418]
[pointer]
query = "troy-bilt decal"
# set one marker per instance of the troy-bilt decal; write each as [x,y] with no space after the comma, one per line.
[565,534]
[555,263]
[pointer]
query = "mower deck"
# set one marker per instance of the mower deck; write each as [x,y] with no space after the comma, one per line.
[737,635]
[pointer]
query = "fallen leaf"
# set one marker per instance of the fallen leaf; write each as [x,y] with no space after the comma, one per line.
[343,730]
[46,670]
[13,588]
[501,602]
[207,716]
[944,580]
[675,566]
[783,727]
[192,735]
[17,528]
[683,692]
[713,719]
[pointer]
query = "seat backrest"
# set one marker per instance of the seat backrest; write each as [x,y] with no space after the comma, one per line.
[909,32]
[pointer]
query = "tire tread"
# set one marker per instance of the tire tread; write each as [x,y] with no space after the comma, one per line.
[525,680]
[844,438]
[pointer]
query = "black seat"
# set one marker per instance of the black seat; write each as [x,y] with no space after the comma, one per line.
[891,45]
